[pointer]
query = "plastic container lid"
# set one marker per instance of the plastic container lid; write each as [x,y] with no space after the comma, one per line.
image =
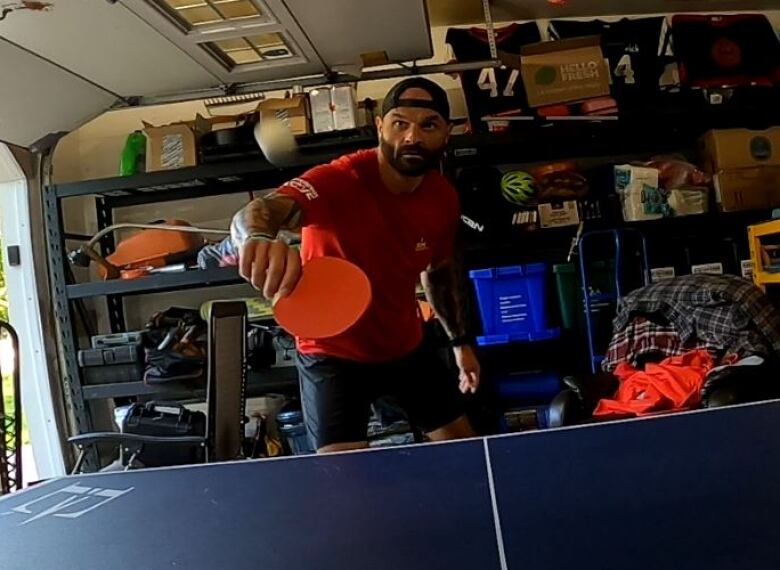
[511,270]
[528,336]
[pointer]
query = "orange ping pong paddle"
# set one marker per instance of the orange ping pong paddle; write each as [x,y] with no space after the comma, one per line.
[330,297]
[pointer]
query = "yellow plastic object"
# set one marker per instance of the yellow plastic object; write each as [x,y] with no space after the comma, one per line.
[761,277]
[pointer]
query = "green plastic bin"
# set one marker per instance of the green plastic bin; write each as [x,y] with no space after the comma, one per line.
[568,285]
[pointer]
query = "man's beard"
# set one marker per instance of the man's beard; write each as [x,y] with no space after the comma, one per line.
[410,160]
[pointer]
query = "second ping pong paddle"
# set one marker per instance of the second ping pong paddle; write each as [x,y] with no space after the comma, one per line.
[330,297]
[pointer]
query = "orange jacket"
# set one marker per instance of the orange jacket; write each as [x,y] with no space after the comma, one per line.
[674,384]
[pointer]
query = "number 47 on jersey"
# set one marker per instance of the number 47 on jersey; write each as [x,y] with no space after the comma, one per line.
[487,82]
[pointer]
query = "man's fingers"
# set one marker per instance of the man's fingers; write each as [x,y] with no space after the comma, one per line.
[464,383]
[246,257]
[292,272]
[473,382]
[277,260]
[469,382]
[272,267]
[260,264]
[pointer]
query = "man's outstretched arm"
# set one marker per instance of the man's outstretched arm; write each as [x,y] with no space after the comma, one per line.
[444,287]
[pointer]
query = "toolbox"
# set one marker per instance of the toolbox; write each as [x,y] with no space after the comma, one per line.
[166,419]
[123,354]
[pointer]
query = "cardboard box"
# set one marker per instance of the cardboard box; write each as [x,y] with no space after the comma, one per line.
[333,108]
[741,148]
[745,166]
[173,146]
[559,215]
[564,71]
[293,110]
[747,188]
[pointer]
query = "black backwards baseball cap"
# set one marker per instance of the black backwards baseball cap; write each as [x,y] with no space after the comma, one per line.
[438,101]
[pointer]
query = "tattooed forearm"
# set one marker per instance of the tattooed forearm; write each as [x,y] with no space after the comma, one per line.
[444,289]
[266,215]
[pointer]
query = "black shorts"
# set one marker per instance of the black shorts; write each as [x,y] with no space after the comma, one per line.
[337,394]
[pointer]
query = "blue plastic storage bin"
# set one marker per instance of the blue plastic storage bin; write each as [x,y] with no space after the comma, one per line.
[528,387]
[512,304]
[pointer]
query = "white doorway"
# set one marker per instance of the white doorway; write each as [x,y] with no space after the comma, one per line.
[25,316]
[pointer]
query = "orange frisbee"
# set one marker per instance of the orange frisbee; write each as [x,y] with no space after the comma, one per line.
[330,297]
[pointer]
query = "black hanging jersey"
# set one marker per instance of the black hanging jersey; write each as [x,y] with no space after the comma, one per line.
[722,51]
[491,91]
[632,48]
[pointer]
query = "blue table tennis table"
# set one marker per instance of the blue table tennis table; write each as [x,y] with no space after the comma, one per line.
[698,490]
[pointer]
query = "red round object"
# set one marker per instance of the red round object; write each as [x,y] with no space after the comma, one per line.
[726,53]
[330,297]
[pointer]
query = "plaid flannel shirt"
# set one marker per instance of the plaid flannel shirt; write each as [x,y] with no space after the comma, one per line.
[722,311]
[642,340]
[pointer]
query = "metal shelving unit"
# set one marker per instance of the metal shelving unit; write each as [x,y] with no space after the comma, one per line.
[281,379]
[671,122]
[187,183]
[155,283]
[667,122]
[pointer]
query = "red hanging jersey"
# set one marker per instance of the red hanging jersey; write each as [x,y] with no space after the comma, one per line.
[349,213]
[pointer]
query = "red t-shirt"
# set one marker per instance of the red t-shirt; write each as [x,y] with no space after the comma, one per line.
[349,213]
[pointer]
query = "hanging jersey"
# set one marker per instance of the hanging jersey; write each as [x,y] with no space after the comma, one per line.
[725,51]
[492,91]
[632,49]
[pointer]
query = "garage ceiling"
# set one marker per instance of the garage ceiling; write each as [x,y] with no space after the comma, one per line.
[407,18]
[39,97]
[107,44]
[71,62]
